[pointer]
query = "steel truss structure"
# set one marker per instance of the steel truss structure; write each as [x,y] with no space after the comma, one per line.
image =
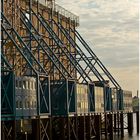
[40,42]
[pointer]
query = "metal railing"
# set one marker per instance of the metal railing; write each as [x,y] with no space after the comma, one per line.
[66,13]
[62,11]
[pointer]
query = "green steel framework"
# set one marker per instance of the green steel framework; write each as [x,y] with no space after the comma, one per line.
[62,101]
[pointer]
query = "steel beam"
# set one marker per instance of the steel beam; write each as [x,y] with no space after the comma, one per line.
[137,121]
[130,123]
[100,64]
[36,130]
[81,128]
[46,48]
[88,127]
[122,124]
[59,43]
[79,51]
[106,125]
[110,126]
[98,126]
[8,130]
[115,123]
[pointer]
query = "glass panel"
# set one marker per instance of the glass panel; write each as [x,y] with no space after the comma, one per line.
[24,85]
[32,85]
[17,104]
[25,104]
[28,104]
[16,83]
[35,104]
[27,85]
[20,104]
[20,84]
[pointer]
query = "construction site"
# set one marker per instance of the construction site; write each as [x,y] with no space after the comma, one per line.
[47,92]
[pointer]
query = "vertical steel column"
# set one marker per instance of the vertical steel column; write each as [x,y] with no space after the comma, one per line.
[38,15]
[115,122]
[13,132]
[2,36]
[38,48]
[50,129]
[2,5]
[81,128]
[88,127]
[137,121]
[97,124]
[2,131]
[36,129]
[122,124]
[76,125]
[118,123]
[130,123]
[30,18]
[92,126]
[73,128]
[51,42]
[110,126]
[8,130]
[45,128]
[68,119]
[106,126]
[38,94]
[62,128]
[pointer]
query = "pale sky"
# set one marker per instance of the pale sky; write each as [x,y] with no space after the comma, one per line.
[111,28]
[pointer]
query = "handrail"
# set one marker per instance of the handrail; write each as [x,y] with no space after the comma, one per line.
[62,11]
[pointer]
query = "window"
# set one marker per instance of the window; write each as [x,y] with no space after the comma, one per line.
[28,104]
[20,104]
[35,104]
[25,104]
[27,86]
[79,105]
[27,16]
[102,105]
[24,85]
[32,85]
[16,83]
[20,84]
[32,105]
[17,104]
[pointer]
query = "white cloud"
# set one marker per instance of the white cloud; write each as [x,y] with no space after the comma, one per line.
[111,29]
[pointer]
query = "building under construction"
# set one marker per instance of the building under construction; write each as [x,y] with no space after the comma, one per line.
[47,92]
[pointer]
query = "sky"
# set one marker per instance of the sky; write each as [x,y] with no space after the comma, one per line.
[111,28]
